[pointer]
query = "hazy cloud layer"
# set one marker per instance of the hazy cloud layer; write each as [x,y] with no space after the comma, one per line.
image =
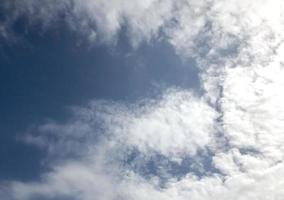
[237,125]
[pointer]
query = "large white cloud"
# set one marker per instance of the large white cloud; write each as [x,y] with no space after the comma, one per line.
[238,46]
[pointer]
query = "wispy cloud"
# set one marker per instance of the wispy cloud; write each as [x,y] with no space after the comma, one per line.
[99,21]
[103,149]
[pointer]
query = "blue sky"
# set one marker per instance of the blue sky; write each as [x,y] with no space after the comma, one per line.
[107,100]
[46,72]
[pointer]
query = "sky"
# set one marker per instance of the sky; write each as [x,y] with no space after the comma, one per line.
[153,99]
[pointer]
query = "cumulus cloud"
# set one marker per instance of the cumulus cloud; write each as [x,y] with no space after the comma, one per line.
[233,133]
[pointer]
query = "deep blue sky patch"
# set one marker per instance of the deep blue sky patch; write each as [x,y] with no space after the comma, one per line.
[45,72]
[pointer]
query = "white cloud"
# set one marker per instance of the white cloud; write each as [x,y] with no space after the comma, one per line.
[96,18]
[176,124]
[103,135]
[238,45]
[179,124]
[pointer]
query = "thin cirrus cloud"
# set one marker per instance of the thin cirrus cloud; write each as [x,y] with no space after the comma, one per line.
[237,124]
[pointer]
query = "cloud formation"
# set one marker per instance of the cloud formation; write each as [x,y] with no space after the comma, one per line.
[106,147]
[99,20]
[233,134]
